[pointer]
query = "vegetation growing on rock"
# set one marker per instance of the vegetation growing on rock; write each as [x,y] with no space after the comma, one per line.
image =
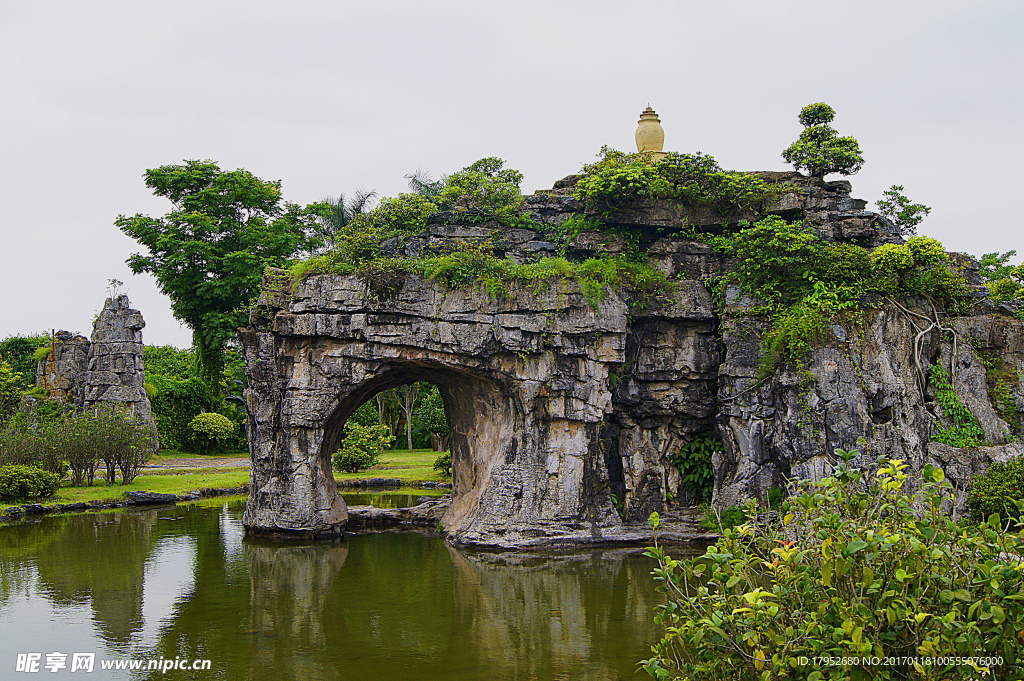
[619,179]
[484,191]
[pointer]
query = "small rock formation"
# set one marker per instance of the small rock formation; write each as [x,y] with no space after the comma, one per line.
[561,413]
[60,372]
[109,368]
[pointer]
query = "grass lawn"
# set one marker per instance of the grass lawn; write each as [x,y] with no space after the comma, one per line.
[415,466]
[165,484]
[411,468]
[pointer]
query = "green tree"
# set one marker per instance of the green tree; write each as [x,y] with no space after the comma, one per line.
[898,208]
[1004,281]
[820,150]
[18,352]
[10,391]
[208,254]
[996,265]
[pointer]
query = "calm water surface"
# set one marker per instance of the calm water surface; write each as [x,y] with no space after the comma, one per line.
[183,582]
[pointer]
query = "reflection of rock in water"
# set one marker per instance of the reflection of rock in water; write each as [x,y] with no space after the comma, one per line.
[532,613]
[289,588]
[101,559]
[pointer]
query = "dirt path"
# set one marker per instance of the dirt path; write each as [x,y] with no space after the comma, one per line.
[199,462]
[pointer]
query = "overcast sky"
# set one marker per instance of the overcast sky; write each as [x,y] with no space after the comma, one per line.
[336,96]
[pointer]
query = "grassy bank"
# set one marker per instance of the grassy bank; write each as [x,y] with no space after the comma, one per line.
[164,484]
[412,468]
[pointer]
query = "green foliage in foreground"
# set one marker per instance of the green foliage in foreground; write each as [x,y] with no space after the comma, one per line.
[999,490]
[619,179]
[361,447]
[847,570]
[26,483]
[719,520]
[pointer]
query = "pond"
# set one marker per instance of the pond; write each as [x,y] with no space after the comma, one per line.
[183,582]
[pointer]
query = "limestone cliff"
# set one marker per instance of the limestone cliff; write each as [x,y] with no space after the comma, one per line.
[561,410]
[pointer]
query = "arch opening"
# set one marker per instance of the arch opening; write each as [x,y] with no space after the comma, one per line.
[484,427]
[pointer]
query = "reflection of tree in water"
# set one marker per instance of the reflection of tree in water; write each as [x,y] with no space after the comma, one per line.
[290,587]
[100,559]
[577,616]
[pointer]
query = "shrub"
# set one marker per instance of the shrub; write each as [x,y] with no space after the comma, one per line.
[619,179]
[18,483]
[210,432]
[927,251]
[103,434]
[361,447]
[443,464]
[847,571]
[484,190]
[405,213]
[997,490]
[121,441]
[892,259]
[23,441]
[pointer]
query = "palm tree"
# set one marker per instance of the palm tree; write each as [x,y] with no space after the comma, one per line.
[420,183]
[340,213]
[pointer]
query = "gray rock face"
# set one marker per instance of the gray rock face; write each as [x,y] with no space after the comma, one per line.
[865,382]
[560,413]
[60,373]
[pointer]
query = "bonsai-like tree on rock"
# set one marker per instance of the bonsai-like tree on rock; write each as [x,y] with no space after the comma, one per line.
[820,150]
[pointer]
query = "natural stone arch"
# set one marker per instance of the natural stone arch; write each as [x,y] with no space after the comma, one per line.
[525,378]
[485,422]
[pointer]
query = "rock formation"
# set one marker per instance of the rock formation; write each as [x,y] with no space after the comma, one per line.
[115,371]
[109,368]
[60,372]
[560,411]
